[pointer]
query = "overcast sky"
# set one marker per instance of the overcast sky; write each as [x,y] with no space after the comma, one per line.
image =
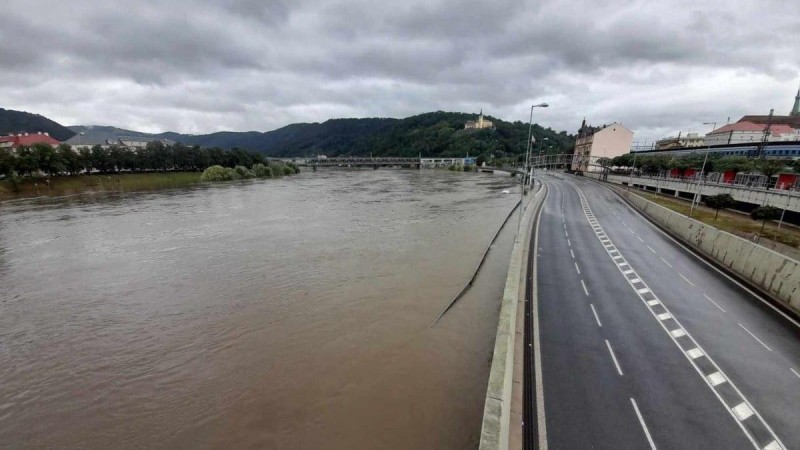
[196,67]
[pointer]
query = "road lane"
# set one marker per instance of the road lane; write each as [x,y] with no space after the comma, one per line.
[722,316]
[587,401]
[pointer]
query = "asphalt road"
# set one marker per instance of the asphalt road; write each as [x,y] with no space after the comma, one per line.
[644,345]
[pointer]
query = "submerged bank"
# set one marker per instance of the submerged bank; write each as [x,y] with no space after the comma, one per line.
[78,184]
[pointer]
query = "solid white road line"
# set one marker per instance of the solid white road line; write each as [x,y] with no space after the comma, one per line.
[685,279]
[537,351]
[795,372]
[644,426]
[610,350]
[595,316]
[584,288]
[755,337]
[715,303]
[665,262]
[577,268]
[651,249]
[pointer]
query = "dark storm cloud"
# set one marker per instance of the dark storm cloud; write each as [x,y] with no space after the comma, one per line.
[201,66]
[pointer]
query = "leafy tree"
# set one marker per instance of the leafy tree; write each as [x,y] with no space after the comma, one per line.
[764,213]
[719,201]
[8,163]
[734,164]
[70,158]
[27,160]
[769,167]
[101,159]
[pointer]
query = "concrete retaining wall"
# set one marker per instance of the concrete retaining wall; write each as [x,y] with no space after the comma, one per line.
[497,406]
[774,273]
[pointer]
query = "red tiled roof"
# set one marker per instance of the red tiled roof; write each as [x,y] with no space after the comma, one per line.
[754,127]
[30,139]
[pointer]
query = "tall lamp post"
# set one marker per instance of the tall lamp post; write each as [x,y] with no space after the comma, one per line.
[530,136]
[523,180]
[696,198]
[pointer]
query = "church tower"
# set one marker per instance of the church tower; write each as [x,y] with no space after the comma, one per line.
[796,108]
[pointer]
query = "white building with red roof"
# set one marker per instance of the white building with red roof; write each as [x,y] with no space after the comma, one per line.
[15,141]
[749,132]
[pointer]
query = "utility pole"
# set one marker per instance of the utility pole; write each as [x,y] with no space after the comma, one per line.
[696,197]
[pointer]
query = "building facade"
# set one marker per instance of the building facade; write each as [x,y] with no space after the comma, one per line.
[688,141]
[606,141]
[15,141]
[478,124]
[748,132]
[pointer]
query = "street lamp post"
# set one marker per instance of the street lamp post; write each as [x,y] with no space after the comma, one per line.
[525,168]
[530,135]
[702,170]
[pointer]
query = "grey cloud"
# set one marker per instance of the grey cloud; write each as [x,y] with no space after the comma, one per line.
[202,66]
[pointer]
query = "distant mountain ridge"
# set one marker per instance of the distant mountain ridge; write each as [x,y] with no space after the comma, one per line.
[430,134]
[20,121]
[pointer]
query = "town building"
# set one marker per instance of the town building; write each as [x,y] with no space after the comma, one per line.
[15,141]
[606,141]
[688,141]
[748,132]
[478,124]
[80,141]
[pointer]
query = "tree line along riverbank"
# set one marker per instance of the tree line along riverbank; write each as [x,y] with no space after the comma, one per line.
[43,170]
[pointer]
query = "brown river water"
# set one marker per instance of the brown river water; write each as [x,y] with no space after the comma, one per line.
[277,314]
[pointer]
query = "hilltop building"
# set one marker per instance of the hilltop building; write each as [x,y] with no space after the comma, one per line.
[606,141]
[14,141]
[478,124]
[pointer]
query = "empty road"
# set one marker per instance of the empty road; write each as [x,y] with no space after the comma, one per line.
[643,345]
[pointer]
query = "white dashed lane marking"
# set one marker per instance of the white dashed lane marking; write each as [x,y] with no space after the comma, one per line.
[596,317]
[795,372]
[644,426]
[584,288]
[685,279]
[755,337]
[614,358]
[651,249]
[712,301]
[665,262]
[754,427]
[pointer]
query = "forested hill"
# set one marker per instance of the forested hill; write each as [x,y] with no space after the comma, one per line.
[19,121]
[430,134]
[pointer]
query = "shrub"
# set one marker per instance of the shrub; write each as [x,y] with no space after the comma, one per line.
[232,174]
[216,173]
[262,171]
[243,172]
[469,168]
[288,170]
[294,167]
[277,168]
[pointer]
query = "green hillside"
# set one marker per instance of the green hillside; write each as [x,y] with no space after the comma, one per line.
[431,134]
[19,121]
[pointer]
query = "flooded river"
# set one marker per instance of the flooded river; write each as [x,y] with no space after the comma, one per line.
[291,313]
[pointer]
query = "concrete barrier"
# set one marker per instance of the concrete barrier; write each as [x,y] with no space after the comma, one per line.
[771,272]
[497,411]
